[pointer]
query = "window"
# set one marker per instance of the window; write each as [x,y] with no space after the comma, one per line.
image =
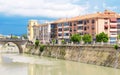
[118,26]
[80,22]
[106,23]
[52,26]
[85,23]
[93,27]
[66,24]
[93,21]
[59,34]
[59,25]
[80,27]
[66,29]
[85,28]
[81,33]
[118,20]
[70,24]
[60,29]
[74,24]
[66,34]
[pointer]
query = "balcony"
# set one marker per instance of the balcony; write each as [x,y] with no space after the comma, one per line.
[66,37]
[59,36]
[80,25]
[59,31]
[113,23]
[113,30]
[113,26]
[113,20]
[66,31]
[66,26]
[113,35]
[79,30]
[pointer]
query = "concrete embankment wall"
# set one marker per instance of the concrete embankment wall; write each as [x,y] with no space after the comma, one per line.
[97,55]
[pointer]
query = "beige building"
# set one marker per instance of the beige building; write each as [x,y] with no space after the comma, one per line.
[33,30]
[45,33]
[39,31]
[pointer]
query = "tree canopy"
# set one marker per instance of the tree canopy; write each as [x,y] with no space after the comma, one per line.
[15,37]
[87,38]
[24,36]
[75,38]
[36,43]
[102,37]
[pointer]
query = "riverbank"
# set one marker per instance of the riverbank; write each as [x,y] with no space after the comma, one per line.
[98,55]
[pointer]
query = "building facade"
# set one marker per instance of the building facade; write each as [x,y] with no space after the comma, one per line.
[93,24]
[33,30]
[38,31]
[45,33]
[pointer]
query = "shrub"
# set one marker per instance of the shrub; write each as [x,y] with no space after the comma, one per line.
[75,38]
[116,46]
[87,38]
[42,48]
[36,43]
[63,41]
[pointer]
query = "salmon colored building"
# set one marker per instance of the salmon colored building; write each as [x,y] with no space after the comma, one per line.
[93,24]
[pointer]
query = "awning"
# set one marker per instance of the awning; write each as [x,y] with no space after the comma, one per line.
[113,19]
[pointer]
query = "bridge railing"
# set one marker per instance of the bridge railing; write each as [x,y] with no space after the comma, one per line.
[11,39]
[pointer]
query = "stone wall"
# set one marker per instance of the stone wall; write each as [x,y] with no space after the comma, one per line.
[97,55]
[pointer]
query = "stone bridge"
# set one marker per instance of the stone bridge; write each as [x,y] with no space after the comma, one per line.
[21,44]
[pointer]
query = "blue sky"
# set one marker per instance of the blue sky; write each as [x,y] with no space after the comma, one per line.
[14,14]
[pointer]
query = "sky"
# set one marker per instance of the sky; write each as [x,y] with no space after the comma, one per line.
[15,14]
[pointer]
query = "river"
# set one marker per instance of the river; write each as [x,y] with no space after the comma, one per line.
[22,64]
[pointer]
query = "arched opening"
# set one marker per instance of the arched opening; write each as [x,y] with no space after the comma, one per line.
[11,47]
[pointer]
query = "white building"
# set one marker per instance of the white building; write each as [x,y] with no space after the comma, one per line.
[44,35]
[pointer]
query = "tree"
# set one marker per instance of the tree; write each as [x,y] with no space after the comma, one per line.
[24,36]
[87,38]
[75,38]
[63,41]
[102,37]
[36,43]
[14,37]
[42,48]
[53,41]
[116,46]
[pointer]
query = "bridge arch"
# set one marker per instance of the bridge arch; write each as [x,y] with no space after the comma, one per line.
[21,44]
[20,49]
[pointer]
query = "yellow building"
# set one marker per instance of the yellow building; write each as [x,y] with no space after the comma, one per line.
[33,31]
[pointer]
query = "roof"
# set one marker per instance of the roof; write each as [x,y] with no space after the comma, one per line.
[105,14]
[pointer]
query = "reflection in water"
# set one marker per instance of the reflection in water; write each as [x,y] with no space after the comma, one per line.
[33,65]
[62,67]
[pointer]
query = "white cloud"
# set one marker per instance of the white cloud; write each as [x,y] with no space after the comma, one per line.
[45,8]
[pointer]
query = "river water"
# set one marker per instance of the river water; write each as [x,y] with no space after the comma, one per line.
[17,64]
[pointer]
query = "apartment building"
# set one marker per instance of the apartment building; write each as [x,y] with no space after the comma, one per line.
[93,24]
[45,33]
[107,21]
[39,31]
[33,30]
